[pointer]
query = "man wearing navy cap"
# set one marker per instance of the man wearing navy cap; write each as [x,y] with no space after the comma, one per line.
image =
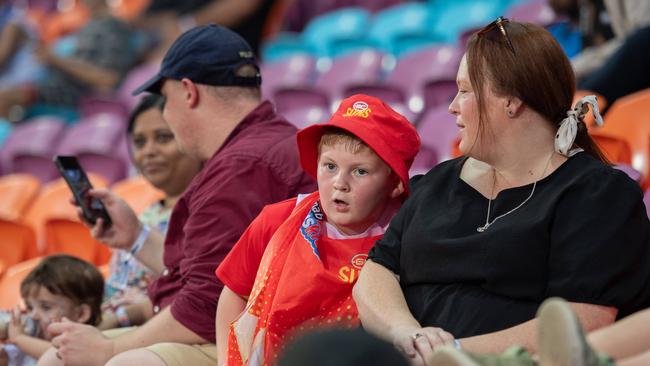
[211,82]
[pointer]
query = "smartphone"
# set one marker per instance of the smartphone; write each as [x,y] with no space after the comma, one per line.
[77,180]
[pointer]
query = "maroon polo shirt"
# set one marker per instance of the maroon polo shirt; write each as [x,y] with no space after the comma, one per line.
[257,165]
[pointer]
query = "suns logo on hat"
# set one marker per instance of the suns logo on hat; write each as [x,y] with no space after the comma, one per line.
[358,109]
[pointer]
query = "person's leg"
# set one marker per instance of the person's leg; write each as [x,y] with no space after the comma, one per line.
[625,338]
[140,357]
[560,338]
[177,354]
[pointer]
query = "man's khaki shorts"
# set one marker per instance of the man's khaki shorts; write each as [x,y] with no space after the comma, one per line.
[177,354]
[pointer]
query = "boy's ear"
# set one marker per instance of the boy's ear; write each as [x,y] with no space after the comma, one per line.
[398,190]
[83,313]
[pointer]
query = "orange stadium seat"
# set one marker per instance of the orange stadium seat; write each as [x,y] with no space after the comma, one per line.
[18,240]
[10,282]
[138,193]
[58,228]
[628,119]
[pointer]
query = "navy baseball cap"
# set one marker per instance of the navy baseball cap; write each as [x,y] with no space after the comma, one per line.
[208,54]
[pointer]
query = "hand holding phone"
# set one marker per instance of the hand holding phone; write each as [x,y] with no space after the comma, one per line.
[76,178]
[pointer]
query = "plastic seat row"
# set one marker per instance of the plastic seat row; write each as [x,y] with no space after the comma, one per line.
[399,29]
[420,80]
[38,219]
[99,141]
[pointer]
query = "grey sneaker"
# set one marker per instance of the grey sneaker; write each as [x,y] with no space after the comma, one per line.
[449,356]
[561,341]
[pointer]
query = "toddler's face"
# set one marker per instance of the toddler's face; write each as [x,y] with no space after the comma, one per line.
[46,308]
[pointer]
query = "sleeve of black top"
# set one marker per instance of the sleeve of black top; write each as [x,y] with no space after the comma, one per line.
[387,250]
[599,244]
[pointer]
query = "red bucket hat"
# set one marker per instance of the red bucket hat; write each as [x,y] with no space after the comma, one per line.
[389,134]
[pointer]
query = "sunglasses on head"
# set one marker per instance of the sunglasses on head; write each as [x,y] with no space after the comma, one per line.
[499,26]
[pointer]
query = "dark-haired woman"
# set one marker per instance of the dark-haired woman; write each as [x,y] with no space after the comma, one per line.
[531,210]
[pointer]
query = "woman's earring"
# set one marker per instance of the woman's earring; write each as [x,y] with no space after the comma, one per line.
[511,114]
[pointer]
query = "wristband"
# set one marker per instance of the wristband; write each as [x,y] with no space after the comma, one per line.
[122,317]
[139,241]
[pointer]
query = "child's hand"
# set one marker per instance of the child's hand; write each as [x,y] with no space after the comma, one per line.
[15,328]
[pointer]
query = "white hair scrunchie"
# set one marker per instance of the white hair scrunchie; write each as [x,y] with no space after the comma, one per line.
[568,130]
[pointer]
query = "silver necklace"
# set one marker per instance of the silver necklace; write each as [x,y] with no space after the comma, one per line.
[481,229]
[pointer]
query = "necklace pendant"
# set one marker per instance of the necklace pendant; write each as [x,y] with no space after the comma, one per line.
[481,229]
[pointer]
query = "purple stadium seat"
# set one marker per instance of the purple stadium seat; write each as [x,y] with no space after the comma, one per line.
[136,77]
[331,86]
[426,159]
[95,142]
[631,172]
[90,106]
[535,11]
[30,147]
[646,201]
[438,131]
[303,117]
[294,71]
[421,79]
[352,69]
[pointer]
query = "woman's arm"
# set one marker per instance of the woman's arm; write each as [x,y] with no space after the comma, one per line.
[591,316]
[384,312]
[230,306]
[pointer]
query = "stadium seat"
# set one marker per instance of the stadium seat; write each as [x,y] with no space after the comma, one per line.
[303,117]
[535,11]
[138,193]
[10,282]
[438,132]
[17,192]
[402,28]
[284,45]
[94,141]
[353,69]
[100,104]
[628,120]
[426,159]
[57,227]
[646,202]
[420,80]
[30,147]
[324,32]
[133,79]
[450,18]
[293,71]
[18,241]
[631,172]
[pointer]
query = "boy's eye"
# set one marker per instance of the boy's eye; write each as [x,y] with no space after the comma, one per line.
[361,172]
[330,167]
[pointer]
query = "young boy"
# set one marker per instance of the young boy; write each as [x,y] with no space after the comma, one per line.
[60,286]
[294,267]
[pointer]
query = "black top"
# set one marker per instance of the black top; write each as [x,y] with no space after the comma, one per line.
[583,236]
